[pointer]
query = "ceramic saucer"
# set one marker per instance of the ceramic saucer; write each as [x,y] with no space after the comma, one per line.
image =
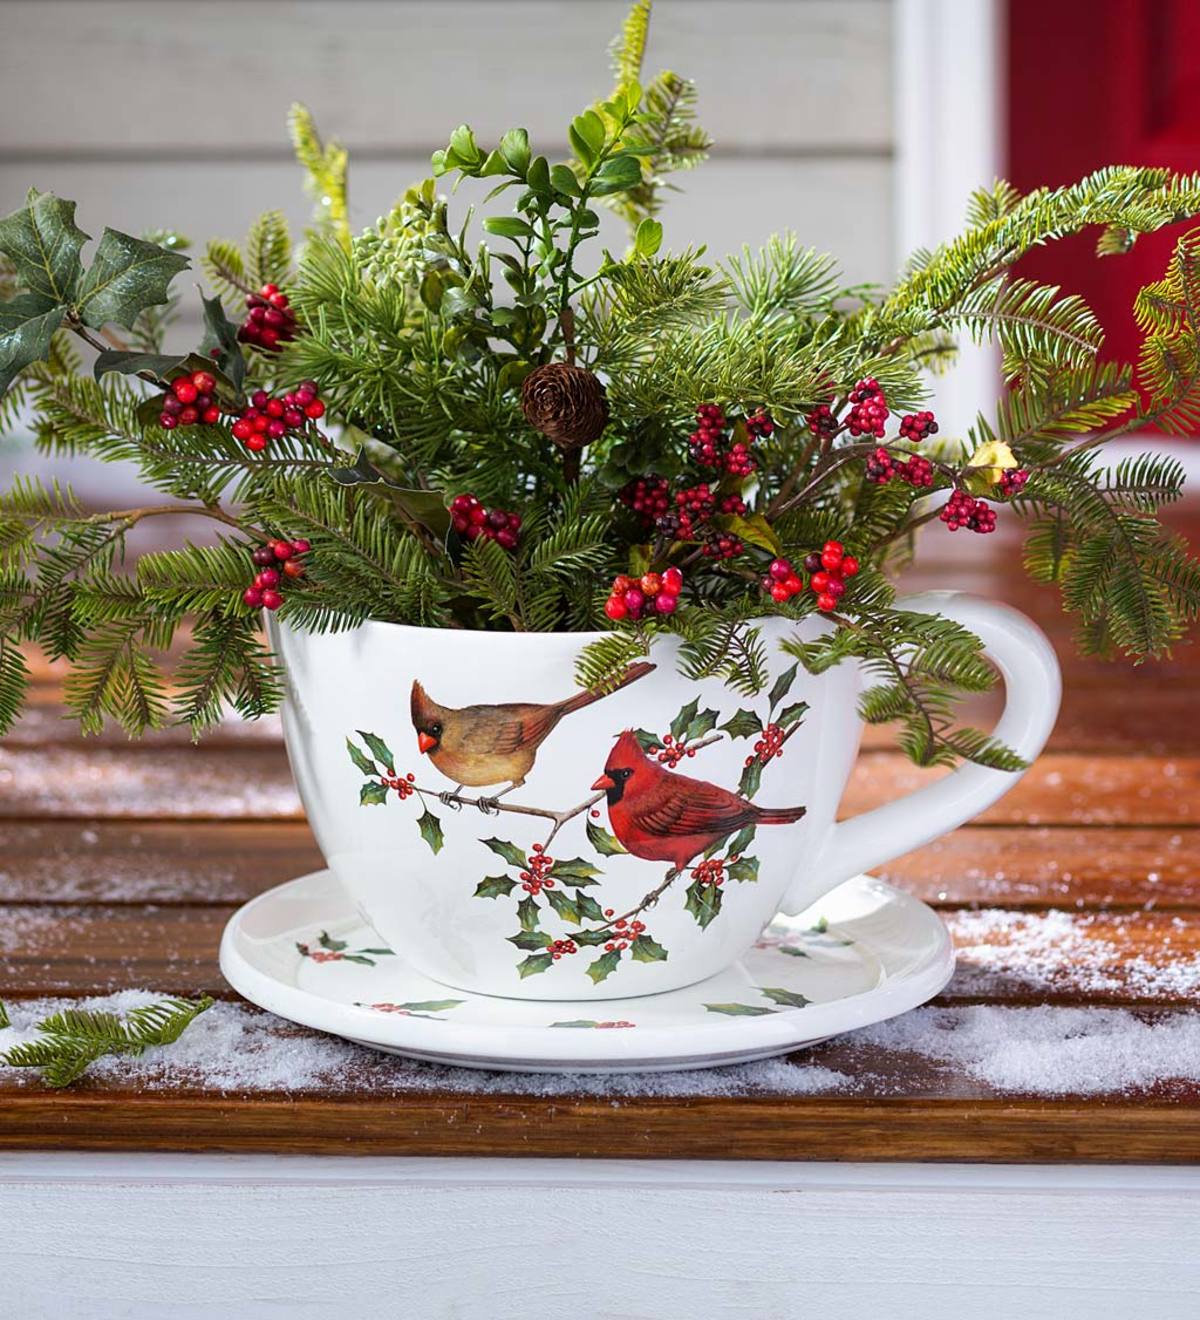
[866,952]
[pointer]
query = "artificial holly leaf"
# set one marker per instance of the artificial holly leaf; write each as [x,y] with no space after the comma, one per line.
[422,506]
[792,714]
[527,913]
[574,871]
[745,868]
[704,723]
[564,905]
[431,830]
[126,276]
[364,763]
[536,962]
[509,851]
[703,902]
[221,333]
[788,998]
[604,966]
[644,949]
[743,724]
[647,741]
[126,363]
[372,793]
[751,778]
[607,845]
[530,939]
[681,721]
[380,750]
[742,841]
[588,908]
[26,329]
[739,1010]
[783,685]
[43,242]
[754,530]
[492,886]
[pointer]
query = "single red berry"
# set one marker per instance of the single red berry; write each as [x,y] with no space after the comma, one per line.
[204,381]
[665,603]
[650,583]
[257,443]
[263,556]
[271,600]
[315,409]
[168,421]
[267,578]
[184,390]
[849,566]
[282,549]
[294,568]
[301,547]
[253,597]
[210,416]
[615,607]
[672,581]
[826,602]
[819,581]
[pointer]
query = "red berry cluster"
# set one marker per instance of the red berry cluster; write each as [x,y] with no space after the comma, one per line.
[695,506]
[782,580]
[535,879]
[735,505]
[708,447]
[656,593]
[402,786]
[674,750]
[710,872]
[963,510]
[472,520]
[869,411]
[821,421]
[267,419]
[705,441]
[190,400]
[740,462]
[270,559]
[829,570]
[723,545]
[760,425]
[918,471]
[557,948]
[769,746]
[917,427]
[1012,481]
[270,322]
[624,930]
[882,466]
[648,497]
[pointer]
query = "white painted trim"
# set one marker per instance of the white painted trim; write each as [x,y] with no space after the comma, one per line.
[949,141]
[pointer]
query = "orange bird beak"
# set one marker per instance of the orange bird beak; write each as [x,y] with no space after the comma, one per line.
[604,782]
[425,741]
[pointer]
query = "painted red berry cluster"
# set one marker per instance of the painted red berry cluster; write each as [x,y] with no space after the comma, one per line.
[710,871]
[624,931]
[964,510]
[769,746]
[556,948]
[190,400]
[403,787]
[674,750]
[265,418]
[471,521]
[536,878]
[270,320]
[652,593]
[274,561]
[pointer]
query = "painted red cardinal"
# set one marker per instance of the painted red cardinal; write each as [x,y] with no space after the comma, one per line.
[668,817]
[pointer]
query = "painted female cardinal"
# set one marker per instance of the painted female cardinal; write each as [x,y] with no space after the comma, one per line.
[479,745]
[668,817]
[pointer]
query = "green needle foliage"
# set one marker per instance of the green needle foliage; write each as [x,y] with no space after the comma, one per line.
[422,332]
[73,1039]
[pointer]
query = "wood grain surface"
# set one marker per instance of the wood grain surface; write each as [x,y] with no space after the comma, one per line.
[120,863]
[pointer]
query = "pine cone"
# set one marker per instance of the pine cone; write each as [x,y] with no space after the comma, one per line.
[567,404]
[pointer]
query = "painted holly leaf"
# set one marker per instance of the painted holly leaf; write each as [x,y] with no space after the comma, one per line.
[647,741]
[686,715]
[509,851]
[587,907]
[577,1022]
[527,913]
[574,871]
[360,759]
[592,937]
[783,685]
[536,962]
[644,949]
[431,830]
[607,845]
[788,998]
[751,778]
[126,276]
[372,793]
[493,886]
[43,242]
[26,329]
[703,723]
[793,951]
[792,714]
[743,724]
[379,953]
[604,966]
[380,750]
[530,939]
[423,506]
[359,958]
[220,333]
[326,941]
[745,868]
[564,905]
[739,1010]
[819,927]
[742,840]
[703,902]
[431,1005]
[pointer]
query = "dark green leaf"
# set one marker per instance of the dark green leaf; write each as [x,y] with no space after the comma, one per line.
[563,180]
[514,147]
[788,998]
[783,685]
[564,905]
[431,830]
[743,724]
[372,793]
[607,845]
[126,276]
[509,851]
[536,962]
[326,941]
[26,329]
[221,333]
[739,1010]
[527,913]
[704,723]
[744,869]
[745,837]
[703,902]
[422,506]
[364,763]
[793,951]
[591,937]
[587,907]
[574,870]
[792,714]
[644,949]
[604,966]
[380,750]
[493,886]
[647,741]
[43,242]
[751,778]
[617,175]
[681,721]
[530,939]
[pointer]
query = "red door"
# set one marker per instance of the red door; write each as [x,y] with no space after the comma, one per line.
[1102,82]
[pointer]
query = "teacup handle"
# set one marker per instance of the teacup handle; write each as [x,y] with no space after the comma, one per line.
[1033,688]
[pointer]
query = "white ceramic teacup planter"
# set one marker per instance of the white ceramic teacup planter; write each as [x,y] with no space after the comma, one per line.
[584,856]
